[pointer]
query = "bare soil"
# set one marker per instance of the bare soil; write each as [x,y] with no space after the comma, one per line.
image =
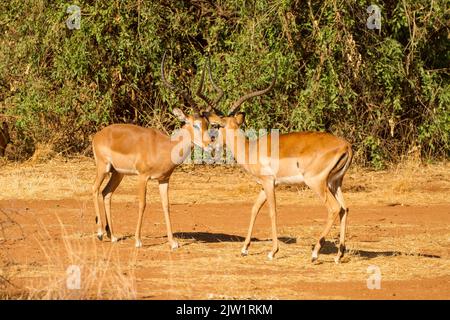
[397,222]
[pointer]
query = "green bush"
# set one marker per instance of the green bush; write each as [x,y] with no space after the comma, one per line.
[384,90]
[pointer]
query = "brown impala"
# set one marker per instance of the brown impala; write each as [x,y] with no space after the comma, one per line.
[125,149]
[320,160]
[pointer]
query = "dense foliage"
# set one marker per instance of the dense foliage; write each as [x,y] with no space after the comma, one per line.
[387,91]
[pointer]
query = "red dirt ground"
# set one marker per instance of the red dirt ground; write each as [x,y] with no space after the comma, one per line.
[410,245]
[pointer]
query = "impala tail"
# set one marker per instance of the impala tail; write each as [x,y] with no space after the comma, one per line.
[342,165]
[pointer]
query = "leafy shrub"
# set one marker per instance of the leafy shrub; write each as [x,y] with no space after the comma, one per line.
[384,90]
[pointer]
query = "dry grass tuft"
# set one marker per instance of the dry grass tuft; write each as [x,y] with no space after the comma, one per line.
[102,274]
[42,153]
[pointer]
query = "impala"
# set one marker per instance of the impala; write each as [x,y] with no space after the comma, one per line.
[320,160]
[125,149]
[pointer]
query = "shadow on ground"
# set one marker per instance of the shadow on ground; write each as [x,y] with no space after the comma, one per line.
[331,248]
[223,237]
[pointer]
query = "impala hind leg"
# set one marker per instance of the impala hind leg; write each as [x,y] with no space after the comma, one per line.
[101,174]
[107,193]
[255,210]
[343,223]
[269,188]
[164,193]
[334,210]
[142,193]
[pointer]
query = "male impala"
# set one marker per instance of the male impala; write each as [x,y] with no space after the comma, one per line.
[125,149]
[318,159]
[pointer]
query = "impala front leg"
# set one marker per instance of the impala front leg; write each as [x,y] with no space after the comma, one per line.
[142,203]
[163,191]
[269,188]
[255,210]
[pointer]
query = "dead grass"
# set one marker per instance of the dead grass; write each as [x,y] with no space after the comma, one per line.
[404,184]
[219,272]
[35,265]
[66,256]
[215,270]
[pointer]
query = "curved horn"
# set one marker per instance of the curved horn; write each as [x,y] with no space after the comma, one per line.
[250,95]
[200,88]
[187,97]
[216,87]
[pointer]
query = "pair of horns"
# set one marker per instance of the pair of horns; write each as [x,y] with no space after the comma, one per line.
[187,96]
[210,103]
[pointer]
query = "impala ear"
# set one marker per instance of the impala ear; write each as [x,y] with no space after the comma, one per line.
[240,118]
[179,114]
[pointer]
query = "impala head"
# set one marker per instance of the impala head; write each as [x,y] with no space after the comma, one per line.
[219,123]
[196,124]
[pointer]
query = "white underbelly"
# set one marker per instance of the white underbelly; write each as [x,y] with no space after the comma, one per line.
[298,179]
[126,171]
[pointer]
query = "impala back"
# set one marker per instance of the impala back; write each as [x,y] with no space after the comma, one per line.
[130,149]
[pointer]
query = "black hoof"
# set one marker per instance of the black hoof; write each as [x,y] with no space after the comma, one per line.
[100,237]
[108,232]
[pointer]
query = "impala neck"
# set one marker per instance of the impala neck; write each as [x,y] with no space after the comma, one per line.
[259,156]
[240,148]
[181,142]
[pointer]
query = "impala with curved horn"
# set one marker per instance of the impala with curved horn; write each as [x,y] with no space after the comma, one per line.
[125,149]
[211,105]
[320,160]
